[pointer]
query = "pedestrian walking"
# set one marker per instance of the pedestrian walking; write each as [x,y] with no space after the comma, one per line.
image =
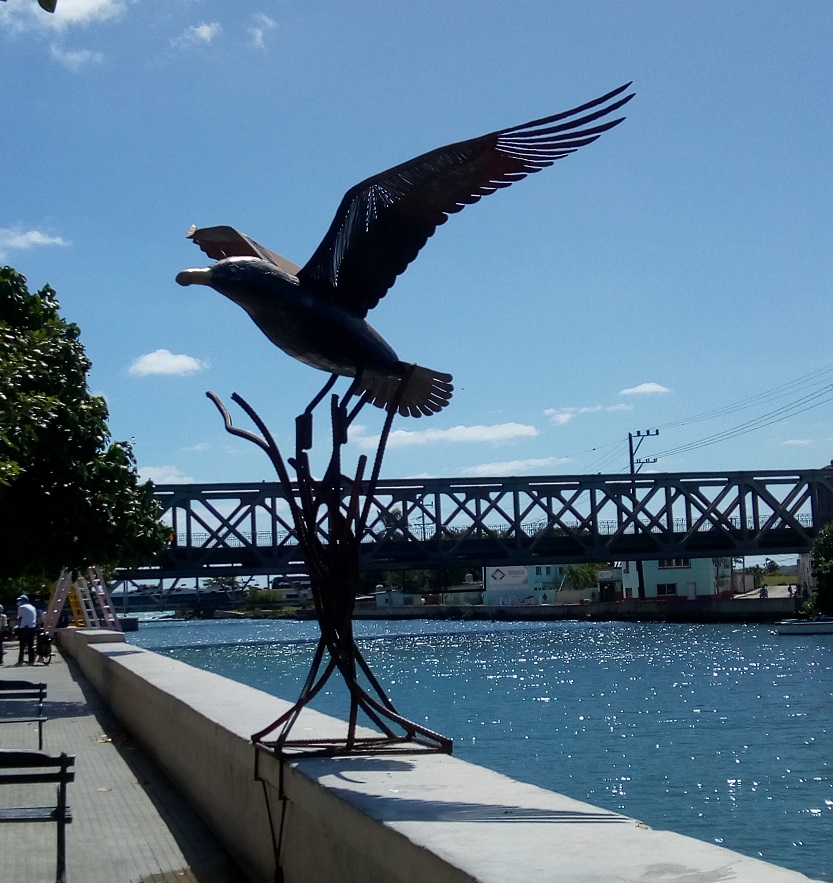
[27,627]
[4,629]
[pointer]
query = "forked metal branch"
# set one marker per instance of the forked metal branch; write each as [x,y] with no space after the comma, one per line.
[330,547]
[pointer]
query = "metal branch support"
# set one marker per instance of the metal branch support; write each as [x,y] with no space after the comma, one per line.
[332,560]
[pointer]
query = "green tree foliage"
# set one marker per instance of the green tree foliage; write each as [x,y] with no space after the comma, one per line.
[226,583]
[415,582]
[821,560]
[70,497]
[583,576]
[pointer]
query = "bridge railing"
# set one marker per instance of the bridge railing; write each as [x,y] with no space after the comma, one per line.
[435,523]
[419,532]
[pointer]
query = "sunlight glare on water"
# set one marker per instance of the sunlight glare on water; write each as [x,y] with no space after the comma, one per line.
[720,732]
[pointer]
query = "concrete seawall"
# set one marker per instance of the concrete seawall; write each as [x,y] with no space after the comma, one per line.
[703,610]
[373,819]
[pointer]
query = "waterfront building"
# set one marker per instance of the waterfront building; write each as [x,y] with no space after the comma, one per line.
[804,572]
[679,577]
[389,597]
[545,584]
[467,593]
[536,584]
[292,590]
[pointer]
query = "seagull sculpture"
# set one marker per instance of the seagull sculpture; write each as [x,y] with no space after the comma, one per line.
[317,313]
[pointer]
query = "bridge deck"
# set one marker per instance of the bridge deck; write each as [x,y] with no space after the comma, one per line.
[228,529]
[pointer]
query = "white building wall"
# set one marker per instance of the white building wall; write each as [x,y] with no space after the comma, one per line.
[522,585]
[804,576]
[680,577]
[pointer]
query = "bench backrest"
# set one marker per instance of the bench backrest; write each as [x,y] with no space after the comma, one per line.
[22,767]
[22,690]
[14,691]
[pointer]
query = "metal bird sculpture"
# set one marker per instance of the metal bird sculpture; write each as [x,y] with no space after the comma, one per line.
[317,313]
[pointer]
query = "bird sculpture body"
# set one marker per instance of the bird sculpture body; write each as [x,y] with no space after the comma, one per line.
[317,313]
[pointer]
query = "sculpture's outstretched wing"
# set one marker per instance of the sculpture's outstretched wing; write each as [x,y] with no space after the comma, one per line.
[383,222]
[226,242]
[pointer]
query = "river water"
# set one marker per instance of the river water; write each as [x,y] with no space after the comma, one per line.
[720,732]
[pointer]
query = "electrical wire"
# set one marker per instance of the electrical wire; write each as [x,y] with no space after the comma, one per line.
[777,392]
[815,386]
[614,452]
[785,412]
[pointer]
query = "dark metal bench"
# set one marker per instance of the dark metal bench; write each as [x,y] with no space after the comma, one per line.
[35,767]
[25,691]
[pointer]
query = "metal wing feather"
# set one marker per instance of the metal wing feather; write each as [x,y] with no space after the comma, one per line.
[226,242]
[383,222]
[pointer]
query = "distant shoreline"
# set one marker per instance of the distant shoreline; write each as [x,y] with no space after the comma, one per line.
[677,610]
[705,610]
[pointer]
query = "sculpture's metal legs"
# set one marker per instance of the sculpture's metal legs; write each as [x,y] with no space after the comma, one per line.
[332,560]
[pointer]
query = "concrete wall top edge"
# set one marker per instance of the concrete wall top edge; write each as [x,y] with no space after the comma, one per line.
[499,829]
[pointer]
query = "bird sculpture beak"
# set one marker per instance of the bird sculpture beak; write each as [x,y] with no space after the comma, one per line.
[194,277]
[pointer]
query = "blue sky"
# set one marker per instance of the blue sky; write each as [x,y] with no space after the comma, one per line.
[681,265]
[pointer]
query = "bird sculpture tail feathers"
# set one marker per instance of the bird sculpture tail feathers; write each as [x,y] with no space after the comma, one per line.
[426,391]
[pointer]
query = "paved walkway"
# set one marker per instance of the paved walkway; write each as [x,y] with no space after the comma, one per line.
[130,825]
[772,592]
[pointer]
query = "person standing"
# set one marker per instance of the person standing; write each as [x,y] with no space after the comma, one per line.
[27,626]
[4,627]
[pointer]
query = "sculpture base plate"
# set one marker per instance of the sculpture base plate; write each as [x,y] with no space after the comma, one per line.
[296,749]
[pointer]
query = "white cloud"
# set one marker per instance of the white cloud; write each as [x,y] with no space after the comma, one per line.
[197,35]
[12,238]
[165,362]
[22,15]
[560,416]
[203,447]
[164,475]
[798,442]
[403,438]
[644,389]
[75,59]
[86,11]
[513,467]
[261,25]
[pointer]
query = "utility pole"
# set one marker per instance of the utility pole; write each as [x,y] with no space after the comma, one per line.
[640,436]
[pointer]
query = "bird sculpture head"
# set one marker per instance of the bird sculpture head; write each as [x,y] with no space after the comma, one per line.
[247,281]
[317,313]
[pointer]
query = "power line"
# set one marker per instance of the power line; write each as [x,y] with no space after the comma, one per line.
[614,452]
[760,398]
[817,381]
[777,416]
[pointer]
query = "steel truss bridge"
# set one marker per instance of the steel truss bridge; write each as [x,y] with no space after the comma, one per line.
[237,529]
